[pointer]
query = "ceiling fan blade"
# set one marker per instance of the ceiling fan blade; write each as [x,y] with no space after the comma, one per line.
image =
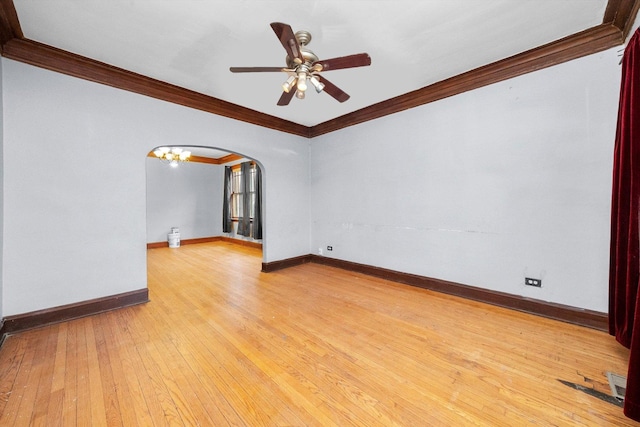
[254,69]
[334,90]
[288,40]
[350,61]
[286,97]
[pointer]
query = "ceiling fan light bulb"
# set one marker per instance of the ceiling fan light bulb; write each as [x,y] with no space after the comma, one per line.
[316,83]
[299,94]
[302,81]
[291,81]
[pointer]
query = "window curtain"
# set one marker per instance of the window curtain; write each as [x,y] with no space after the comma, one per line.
[624,304]
[226,203]
[256,232]
[244,222]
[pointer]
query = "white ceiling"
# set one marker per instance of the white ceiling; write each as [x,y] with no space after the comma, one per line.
[412,43]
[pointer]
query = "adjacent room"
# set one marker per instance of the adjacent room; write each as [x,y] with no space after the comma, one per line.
[198,227]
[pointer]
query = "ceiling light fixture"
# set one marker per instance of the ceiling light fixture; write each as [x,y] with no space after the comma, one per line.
[173,156]
[298,80]
[290,83]
[302,81]
[316,83]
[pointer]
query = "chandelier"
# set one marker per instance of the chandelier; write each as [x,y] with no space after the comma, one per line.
[173,156]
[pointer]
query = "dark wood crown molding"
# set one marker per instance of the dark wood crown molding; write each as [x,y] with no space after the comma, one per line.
[617,21]
[209,160]
[50,58]
[621,14]
[230,158]
[590,41]
[9,24]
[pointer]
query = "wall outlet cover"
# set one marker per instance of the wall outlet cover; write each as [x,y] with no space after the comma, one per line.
[529,281]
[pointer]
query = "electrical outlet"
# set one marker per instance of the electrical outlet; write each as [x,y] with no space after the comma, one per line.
[329,248]
[319,251]
[533,282]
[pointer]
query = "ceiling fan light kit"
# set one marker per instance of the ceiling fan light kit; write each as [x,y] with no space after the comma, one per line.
[304,66]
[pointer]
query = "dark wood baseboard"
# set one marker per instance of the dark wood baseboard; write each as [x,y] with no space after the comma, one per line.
[183,242]
[268,267]
[156,245]
[564,313]
[248,243]
[34,319]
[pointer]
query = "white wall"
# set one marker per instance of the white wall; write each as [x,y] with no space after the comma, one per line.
[483,188]
[75,185]
[188,197]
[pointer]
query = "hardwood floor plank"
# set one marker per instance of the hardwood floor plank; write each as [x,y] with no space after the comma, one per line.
[11,358]
[45,373]
[165,412]
[222,344]
[70,378]
[177,378]
[209,382]
[141,393]
[114,385]
[98,413]
[60,359]
[19,409]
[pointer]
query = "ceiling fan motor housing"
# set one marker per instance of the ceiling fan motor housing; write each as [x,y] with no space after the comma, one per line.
[303,37]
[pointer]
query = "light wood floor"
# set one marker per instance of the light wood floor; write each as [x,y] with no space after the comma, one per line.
[222,344]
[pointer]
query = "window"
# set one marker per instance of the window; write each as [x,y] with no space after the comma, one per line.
[236,194]
[237,191]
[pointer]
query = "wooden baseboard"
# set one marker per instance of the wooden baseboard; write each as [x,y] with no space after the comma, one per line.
[183,242]
[34,319]
[248,243]
[156,245]
[268,267]
[564,313]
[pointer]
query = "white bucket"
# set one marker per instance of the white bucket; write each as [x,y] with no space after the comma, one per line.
[174,240]
[175,230]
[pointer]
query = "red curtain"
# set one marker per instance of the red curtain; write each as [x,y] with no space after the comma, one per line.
[624,301]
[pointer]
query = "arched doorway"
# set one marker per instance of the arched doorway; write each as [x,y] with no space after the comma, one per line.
[191,197]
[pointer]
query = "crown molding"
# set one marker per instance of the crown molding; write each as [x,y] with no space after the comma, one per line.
[621,14]
[209,160]
[50,58]
[9,24]
[617,21]
[590,41]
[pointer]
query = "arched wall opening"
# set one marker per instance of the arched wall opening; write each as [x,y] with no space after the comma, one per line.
[190,197]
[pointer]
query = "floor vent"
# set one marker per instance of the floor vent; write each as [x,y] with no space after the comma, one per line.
[618,385]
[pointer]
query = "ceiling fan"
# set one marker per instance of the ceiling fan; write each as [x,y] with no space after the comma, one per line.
[304,66]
